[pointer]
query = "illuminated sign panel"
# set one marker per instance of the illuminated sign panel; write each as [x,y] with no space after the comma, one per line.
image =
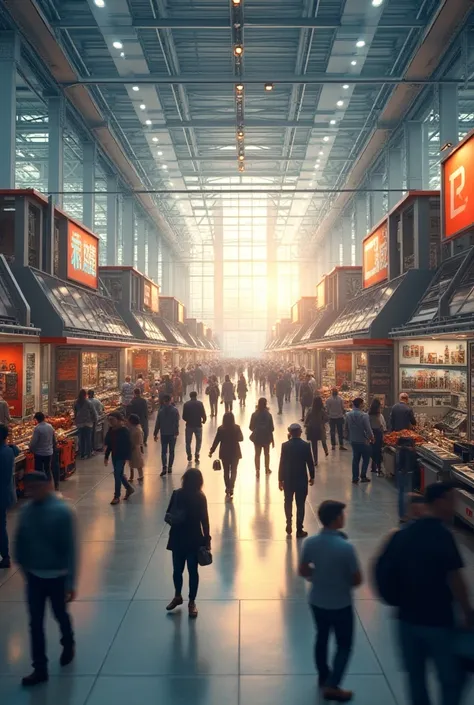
[82,256]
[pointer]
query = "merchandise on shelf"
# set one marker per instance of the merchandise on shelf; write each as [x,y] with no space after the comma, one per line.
[391,438]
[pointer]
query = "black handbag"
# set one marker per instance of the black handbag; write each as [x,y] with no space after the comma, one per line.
[176,515]
[216,465]
[204,556]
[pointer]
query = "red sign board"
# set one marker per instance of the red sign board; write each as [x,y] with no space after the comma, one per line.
[375,257]
[458,189]
[82,256]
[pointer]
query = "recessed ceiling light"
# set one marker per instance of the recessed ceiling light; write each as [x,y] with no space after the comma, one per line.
[332,122]
[238,50]
[360,43]
[345,86]
[316,166]
[268,87]
[135,88]
[326,139]
[142,106]
[154,139]
[340,103]
[353,62]
[160,154]
[377,3]
[164,166]
[321,153]
[117,45]
[148,122]
[170,183]
[122,54]
[99,3]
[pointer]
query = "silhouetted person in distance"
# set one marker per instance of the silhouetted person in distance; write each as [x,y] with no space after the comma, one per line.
[242,390]
[228,394]
[315,425]
[198,376]
[280,392]
[306,396]
[194,416]
[213,392]
[167,425]
[228,437]
[261,425]
[296,461]
[139,406]
[117,443]
[336,411]
[378,426]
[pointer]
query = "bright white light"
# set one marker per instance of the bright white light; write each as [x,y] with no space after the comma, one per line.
[99,3]
[135,88]
[154,139]
[148,122]
[160,154]
[332,122]
[345,86]
[377,3]
[143,106]
[117,45]
[321,153]
[164,166]
[340,103]
[170,183]
[326,139]
[122,54]
[316,166]
[360,43]
[353,62]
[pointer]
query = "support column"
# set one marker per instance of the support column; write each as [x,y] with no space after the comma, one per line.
[346,228]
[141,244]
[89,152]
[153,255]
[218,275]
[334,240]
[165,268]
[414,156]
[394,178]
[56,122]
[272,269]
[361,225]
[128,231]
[112,220]
[376,200]
[448,114]
[9,57]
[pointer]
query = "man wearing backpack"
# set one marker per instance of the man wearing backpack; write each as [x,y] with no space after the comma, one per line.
[419,571]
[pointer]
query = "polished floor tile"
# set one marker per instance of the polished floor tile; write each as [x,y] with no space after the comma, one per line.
[133,690]
[73,690]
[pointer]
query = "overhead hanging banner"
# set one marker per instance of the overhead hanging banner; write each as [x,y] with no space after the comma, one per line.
[457,178]
[82,256]
[375,257]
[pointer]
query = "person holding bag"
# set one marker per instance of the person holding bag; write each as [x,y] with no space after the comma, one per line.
[261,425]
[315,425]
[189,540]
[228,436]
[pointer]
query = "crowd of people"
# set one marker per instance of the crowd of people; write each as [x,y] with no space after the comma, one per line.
[417,569]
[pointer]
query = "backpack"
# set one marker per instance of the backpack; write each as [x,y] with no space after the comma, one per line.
[386,571]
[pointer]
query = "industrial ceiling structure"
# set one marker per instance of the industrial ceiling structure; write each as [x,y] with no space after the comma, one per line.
[189,98]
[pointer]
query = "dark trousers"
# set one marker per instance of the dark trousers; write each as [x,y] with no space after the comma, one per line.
[179,562]
[360,451]
[377,449]
[84,435]
[341,622]
[4,544]
[314,446]
[303,410]
[228,405]
[230,473]
[38,591]
[300,494]
[189,433]
[213,407]
[199,386]
[266,455]
[280,404]
[288,395]
[49,466]
[146,431]
[167,443]
[119,476]
[297,390]
[339,425]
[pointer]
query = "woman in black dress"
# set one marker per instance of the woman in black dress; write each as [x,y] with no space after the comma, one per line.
[229,436]
[187,537]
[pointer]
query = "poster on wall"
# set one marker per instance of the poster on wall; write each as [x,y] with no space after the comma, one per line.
[30,373]
[82,256]
[433,352]
[375,257]
[380,377]
[11,377]
[457,178]
[434,380]
[45,397]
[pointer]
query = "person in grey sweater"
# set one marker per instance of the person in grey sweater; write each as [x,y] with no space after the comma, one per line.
[167,424]
[46,551]
[360,435]
[335,411]
[43,445]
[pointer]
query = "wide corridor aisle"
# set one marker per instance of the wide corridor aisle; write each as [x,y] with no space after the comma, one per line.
[252,642]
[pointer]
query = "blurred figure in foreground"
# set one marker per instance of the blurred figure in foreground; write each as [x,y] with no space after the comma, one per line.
[8,454]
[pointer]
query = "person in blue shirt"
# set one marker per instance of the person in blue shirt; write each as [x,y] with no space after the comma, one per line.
[329,562]
[8,454]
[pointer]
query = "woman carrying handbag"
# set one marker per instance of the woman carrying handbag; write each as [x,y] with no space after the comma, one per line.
[228,437]
[189,539]
[315,424]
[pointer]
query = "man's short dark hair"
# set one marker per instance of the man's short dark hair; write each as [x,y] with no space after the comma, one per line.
[116,415]
[193,395]
[137,391]
[438,490]
[4,431]
[357,402]
[329,511]
[39,416]
[166,397]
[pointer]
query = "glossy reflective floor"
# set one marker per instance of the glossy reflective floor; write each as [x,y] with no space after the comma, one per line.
[252,642]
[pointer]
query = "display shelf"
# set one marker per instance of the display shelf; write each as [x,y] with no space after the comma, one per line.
[464,473]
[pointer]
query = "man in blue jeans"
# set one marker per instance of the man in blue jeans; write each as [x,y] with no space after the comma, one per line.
[360,436]
[118,444]
[167,425]
[194,415]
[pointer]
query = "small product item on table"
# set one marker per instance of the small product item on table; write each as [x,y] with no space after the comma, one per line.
[391,438]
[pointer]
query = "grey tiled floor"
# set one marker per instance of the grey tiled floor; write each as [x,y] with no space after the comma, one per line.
[252,642]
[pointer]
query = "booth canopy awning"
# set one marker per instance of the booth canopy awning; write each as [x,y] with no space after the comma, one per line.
[150,327]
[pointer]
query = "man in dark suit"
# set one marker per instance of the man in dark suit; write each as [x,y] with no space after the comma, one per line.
[296,461]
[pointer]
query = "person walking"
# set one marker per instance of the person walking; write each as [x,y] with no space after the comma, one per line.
[198,377]
[401,414]
[5,417]
[136,461]
[296,462]
[194,415]
[315,425]
[228,394]
[213,392]
[99,410]
[177,388]
[85,416]
[242,390]
[117,443]
[228,437]
[360,436]
[329,562]
[188,536]
[8,454]
[288,384]
[306,396]
[336,412]
[43,446]
[184,380]
[140,383]
[45,549]
[167,425]
[139,407]
[378,426]
[126,392]
[280,391]
[262,428]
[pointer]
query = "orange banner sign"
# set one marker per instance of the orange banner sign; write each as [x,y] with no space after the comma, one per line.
[375,257]
[82,256]
[457,176]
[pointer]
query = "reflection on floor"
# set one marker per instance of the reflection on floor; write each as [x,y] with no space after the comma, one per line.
[252,642]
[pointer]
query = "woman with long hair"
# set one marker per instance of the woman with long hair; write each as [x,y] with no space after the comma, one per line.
[261,425]
[85,416]
[228,437]
[315,424]
[378,426]
[242,389]
[188,536]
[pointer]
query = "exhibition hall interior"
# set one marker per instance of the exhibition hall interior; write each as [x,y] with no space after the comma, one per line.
[228,227]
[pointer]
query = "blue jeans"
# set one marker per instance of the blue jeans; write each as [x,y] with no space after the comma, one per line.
[120,479]
[418,645]
[84,436]
[167,442]
[341,622]
[189,437]
[360,451]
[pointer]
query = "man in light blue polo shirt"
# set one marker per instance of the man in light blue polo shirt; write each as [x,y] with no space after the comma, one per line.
[329,562]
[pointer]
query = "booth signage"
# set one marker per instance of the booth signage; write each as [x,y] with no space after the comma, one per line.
[375,257]
[82,256]
[147,294]
[457,176]
[433,352]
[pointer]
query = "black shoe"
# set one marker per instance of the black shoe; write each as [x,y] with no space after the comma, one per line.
[170,470]
[365,479]
[163,472]
[35,678]
[289,530]
[5,563]
[355,482]
[196,459]
[333,447]
[190,457]
[342,448]
[301,534]
[67,655]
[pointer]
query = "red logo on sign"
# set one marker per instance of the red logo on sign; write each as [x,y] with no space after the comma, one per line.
[468,512]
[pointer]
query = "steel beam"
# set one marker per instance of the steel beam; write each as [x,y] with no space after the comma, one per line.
[153,254]
[56,123]
[89,150]
[264,123]
[141,243]
[9,59]
[112,219]
[128,231]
